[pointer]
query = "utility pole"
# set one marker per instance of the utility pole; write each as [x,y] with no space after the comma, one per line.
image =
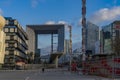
[70,48]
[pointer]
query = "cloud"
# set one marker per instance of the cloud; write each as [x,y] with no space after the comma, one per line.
[62,22]
[59,22]
[34,3]
[80,22]
[1,12]
[105,14]
[50,22]
[66,25]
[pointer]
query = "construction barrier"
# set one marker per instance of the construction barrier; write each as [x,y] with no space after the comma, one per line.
[106,67]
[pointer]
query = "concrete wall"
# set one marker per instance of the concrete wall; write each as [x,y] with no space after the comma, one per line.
[2,46]
[37,66]
[31,41]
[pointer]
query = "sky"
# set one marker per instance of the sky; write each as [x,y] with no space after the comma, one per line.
[100,12]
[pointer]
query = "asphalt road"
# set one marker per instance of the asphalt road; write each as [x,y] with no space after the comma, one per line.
[47,75]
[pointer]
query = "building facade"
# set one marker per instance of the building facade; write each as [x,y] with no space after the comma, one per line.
[2,41]
[16,44]
[54,29]
[109,33]
[67,46]
[92,35]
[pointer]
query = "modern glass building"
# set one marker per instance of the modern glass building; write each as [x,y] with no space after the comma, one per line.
[15,44]
[109,33]
[92,36]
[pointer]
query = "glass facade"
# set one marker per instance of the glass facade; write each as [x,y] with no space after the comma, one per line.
[107,34]
[110,32]
[92,36]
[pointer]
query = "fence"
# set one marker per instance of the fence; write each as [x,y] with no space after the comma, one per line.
[107,67]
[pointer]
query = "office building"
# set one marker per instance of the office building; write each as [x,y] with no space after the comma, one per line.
[92,35]
[54,29]
[109,33]
[67,46]
[16,44]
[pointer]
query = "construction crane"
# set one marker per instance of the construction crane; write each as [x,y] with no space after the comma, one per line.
[83,28]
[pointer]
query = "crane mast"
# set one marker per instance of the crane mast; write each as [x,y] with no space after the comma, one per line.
[83,28]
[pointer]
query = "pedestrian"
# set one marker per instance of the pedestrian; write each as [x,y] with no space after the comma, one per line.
[43,69]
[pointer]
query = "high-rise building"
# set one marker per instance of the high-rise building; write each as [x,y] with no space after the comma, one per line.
[67,46]
[66,56]
[16,44]
[109,33]
[92,35]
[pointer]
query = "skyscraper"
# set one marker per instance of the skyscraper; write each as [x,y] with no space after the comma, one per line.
[67,45]
[109,34]
[92,35]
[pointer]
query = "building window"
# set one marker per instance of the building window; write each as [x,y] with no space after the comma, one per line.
[12,37]
[15,22]
[114,34]
[15,29]
[15,44]
[11,52]
[11,29]
[15,37]
[11,60]
[6,29]
[7,37]
[11,44]
[7,22]
[117,33]
[7,52]
[6,60]
[11,22]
